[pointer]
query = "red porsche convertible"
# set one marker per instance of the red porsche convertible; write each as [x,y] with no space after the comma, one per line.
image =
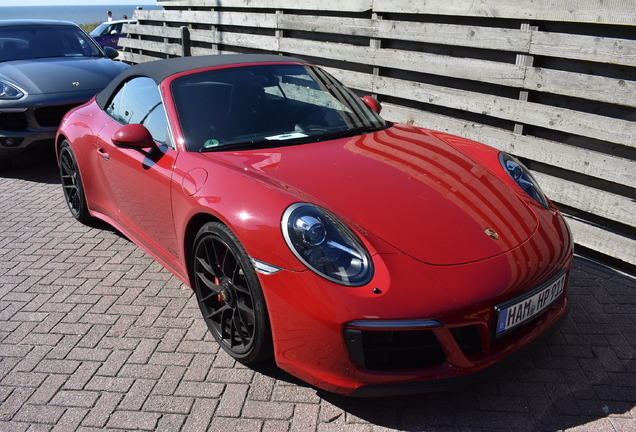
[365,257]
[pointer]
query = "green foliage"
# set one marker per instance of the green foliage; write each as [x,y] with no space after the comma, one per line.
[90,27]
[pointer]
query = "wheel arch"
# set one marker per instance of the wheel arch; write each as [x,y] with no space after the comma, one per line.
[194,225]
[59,139]
[256,344]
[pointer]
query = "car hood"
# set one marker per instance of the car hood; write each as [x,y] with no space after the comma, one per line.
[61,75]
[406,186]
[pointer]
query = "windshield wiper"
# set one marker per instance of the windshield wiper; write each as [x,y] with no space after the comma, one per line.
[242,145]
[278,140]
[292,139]
[326,136]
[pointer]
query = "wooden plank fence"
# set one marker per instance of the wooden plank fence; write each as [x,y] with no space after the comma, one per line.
[550,81]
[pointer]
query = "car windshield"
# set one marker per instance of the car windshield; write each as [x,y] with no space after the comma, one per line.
[267,106]
[102,29]
[42,41]
[107,28]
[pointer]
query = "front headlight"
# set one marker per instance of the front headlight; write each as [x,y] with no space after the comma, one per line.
[521,175]
[326,245]
[9,91]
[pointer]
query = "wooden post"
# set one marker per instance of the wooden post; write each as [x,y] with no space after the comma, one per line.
[279,33]
[376,45]
[185,41]
[524,61]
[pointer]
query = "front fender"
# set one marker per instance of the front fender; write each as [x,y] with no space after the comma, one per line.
[247,206]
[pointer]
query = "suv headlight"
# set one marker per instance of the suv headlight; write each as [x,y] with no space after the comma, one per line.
[326,245]
[521,175]
[9,91]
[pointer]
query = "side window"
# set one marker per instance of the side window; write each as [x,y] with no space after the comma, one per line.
[114,106]
[139,101]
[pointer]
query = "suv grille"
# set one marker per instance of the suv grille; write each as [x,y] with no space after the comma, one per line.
[51,116]
[13,121]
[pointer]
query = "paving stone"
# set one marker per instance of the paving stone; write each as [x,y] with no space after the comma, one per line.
[39,414]
[269,410]
[16,400]
[235,425]
[169,381]
[23,379]
[109,384]
[202,414]
[106,404]
[48,389]
[75,398]
[168,404]
[199,389]
[137,395]
[305,417]
[231,404]
[134,420]
[172,423]
[57,366]
[200,366]
[152,372]
[275,426]
[81,376]
[70,420]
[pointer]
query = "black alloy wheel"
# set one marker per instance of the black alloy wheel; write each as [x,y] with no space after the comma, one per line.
[72,184]
[229,295]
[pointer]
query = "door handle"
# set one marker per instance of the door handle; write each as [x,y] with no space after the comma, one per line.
[103,153]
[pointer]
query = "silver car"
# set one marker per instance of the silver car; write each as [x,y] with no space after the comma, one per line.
[46,68]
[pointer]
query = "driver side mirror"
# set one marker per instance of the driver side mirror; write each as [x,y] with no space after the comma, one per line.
[134,136]
[372,103]
[112,53]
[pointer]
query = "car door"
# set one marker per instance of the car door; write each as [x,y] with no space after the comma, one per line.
[139,180]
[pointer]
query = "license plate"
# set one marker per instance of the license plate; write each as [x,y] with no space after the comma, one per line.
[518,311]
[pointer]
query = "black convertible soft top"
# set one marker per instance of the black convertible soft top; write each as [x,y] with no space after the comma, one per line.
[159,70]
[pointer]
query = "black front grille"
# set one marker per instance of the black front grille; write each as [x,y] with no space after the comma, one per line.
[393,350]
[13,121]
[51,116]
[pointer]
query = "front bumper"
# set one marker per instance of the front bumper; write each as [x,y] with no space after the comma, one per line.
[25,127]
[12,143]
[443,384]
[311,318]
[34,120]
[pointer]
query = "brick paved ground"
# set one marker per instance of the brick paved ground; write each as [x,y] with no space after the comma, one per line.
[94,335]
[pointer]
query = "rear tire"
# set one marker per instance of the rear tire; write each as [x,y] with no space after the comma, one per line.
[72,184]
[229,295]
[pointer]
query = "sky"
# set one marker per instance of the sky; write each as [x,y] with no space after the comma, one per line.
[75,2]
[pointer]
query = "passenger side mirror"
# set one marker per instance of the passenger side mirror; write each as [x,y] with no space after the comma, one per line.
[133,135]
[372,103]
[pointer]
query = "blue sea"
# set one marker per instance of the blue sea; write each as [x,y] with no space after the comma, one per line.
[77,14]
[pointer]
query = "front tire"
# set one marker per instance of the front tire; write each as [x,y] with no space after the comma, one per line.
[72,184]
[229,295]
